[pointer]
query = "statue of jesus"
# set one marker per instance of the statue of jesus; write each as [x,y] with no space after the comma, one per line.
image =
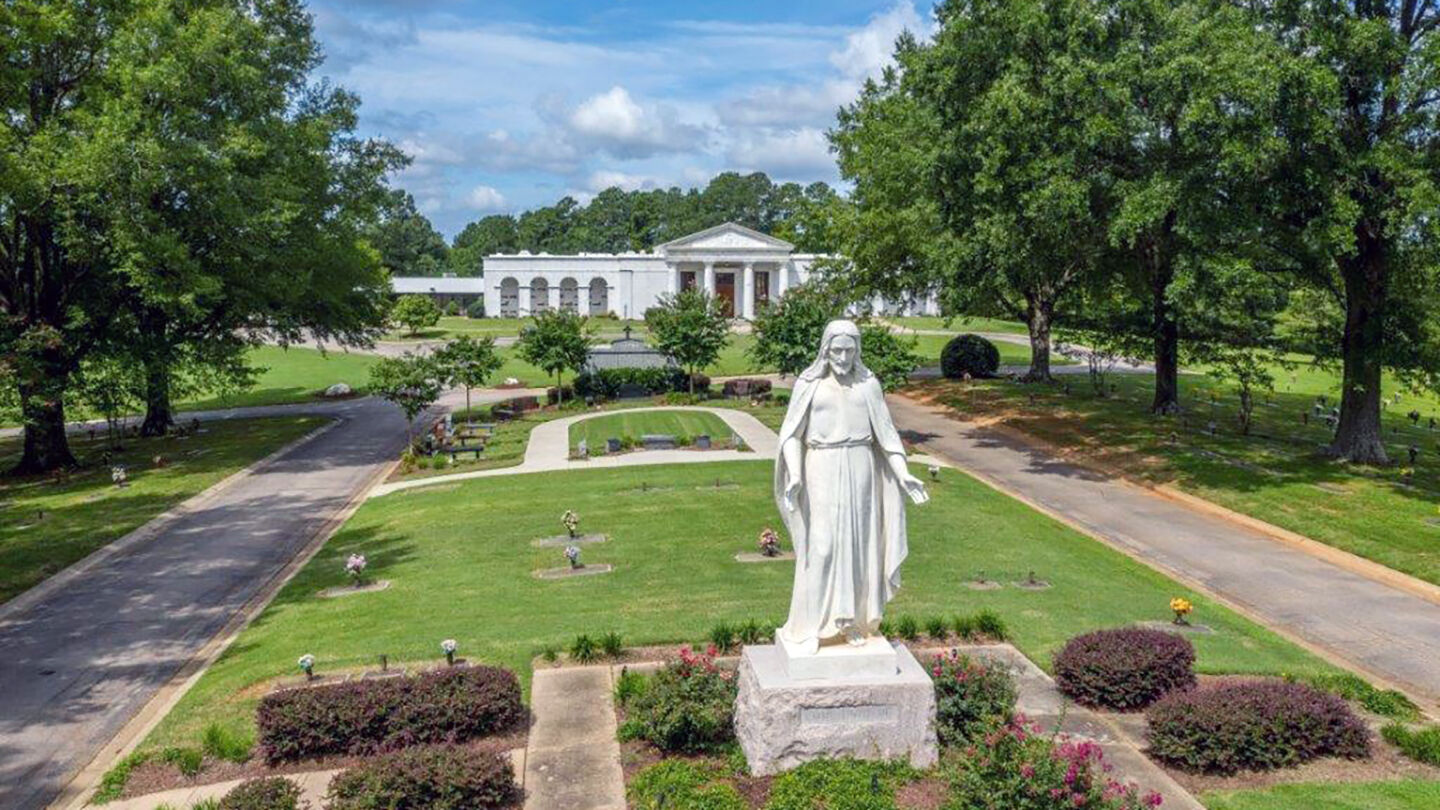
[840,482]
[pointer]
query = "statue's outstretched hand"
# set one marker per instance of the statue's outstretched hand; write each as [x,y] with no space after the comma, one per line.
[792,492]
[915,488]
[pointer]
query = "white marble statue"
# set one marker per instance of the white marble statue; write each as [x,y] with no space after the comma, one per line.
[840,482]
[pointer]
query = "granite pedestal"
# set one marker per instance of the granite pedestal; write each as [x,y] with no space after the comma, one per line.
[868,702]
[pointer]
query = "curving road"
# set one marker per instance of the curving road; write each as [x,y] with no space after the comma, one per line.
[83,653]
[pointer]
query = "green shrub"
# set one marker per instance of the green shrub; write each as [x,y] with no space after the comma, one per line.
[688,706]
[612,645]
[676,783]
[972,698]
[607,383]
[936,628]
[476,309]
[839,784]
[724,636]
[969,354]
[628,686]
[907,628]
[584,649]
[964,626]
[187,760]
[989,624]
[438,777]
[222,743]
[752,632]
[550,653]
[1125,668]
[1421,745]
[1384,702]
[112,784]
[267,793]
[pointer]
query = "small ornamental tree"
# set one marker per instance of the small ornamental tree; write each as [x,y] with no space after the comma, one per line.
[409,381]
[415,312]
[890,356]
[468,362]
[691,327]
[788,333]
[556,342]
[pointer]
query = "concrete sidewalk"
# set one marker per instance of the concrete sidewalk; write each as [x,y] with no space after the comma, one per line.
[1391,635]
[548,449]
[572,761]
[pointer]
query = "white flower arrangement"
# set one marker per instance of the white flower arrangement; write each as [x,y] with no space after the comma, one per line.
[307,663]
[355,567]
[448,647]
[118,475]
[934,470]
[572,553]
[571,521]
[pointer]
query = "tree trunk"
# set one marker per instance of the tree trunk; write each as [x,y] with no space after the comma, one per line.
[1358,436]
[1167,338]
[159,416]
[1039,313]
[46,447]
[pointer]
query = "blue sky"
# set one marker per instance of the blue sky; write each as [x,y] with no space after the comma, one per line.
[507,105]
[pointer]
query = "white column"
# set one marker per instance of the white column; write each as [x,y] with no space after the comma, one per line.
[747,306]
[710,279]
[782,276]
[674,278]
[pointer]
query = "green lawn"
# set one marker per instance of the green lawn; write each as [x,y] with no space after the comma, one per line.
[452,326]
[1276,474]
[86,511]
[291,375]
[636,424]
[1400,795]
[1011,354]
[962,323]
[460,558]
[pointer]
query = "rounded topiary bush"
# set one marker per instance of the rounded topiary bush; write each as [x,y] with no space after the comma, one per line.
[1254,725]
[969,354]
[436,777]
[1126,668]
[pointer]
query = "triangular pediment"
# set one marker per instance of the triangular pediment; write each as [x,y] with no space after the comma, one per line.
[726,236]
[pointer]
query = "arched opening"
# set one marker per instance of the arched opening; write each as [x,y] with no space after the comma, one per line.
[539,296]
[509,298]
[570,295]
[599,297]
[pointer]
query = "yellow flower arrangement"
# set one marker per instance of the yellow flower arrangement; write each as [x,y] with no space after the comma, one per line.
[1182,607]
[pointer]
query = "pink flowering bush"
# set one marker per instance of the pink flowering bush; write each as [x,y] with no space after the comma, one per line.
[972,698]
[688,706]
[1014,767]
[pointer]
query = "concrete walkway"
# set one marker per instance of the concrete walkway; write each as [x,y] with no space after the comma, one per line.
[572,761]
[82,654]
[1391,635]
[549,449]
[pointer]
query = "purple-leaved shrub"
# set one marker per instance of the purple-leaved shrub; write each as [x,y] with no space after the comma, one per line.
[1126,668]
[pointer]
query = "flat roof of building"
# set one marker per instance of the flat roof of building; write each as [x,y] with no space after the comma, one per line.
[453,285]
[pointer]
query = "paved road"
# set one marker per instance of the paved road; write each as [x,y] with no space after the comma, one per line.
[1389,633]
[78,663]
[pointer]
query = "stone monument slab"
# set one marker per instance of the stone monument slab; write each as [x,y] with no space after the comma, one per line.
[876,658]
[782,722]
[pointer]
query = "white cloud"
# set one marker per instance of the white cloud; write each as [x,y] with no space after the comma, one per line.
[793,154]
[486,199]
[615,122]
[608,178]
[870,49]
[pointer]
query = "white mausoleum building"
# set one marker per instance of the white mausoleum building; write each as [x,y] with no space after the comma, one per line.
[740,266]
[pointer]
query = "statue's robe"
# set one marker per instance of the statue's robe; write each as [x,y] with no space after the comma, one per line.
[848,525]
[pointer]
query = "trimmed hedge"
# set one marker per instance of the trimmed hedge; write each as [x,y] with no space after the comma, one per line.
[969,354]
[1254,725]
[440,777]
[266,793]
[365,717]
[1126,668]
[608,382]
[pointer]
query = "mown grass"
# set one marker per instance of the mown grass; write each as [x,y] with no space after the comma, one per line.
[1407,794]
[48,523]
[1277,474]
[635,425]
[460,556]
[296,374]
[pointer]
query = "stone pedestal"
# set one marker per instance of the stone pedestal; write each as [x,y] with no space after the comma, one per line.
[844,702]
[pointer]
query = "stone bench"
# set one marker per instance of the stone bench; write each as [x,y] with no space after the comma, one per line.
[658,441]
